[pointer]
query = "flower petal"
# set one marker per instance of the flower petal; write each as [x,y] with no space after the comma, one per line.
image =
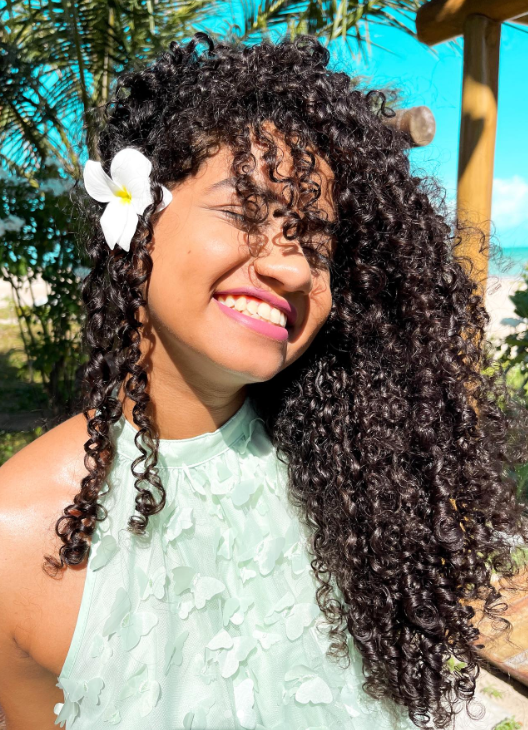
[131,170]
[129,165]
[97,183]
[130,227]
[167,198]
[114,220]
[139,189]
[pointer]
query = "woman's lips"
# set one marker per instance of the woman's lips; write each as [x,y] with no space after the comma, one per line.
[273,331]
[264,296]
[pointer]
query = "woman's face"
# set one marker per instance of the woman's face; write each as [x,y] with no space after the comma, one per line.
[199,250]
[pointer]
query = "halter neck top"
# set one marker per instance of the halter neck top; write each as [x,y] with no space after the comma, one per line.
[209,620]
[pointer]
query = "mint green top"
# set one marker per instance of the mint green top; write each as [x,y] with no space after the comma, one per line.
[210,619]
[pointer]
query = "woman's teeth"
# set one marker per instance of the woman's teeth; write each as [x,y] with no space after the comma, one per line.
[254,308]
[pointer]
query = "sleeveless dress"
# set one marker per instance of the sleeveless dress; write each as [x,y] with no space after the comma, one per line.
[209,620]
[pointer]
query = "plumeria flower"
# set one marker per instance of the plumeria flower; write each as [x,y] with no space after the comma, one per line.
[127,194]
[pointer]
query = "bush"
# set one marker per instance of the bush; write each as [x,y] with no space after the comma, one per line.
[514,351]
[38,243]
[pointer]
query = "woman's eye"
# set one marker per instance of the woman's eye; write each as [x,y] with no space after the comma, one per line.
[238,216]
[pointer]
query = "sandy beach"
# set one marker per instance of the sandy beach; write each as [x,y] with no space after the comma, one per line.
[500,306]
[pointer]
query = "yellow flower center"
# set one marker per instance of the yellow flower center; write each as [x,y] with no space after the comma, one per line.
[125,196]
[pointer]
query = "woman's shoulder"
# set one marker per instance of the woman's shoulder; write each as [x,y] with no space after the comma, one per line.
[50,466]
[36,484]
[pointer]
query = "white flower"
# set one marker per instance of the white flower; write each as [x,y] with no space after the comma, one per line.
[127,193]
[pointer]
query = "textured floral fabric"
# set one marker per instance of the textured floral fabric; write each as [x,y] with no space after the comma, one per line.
[210,619]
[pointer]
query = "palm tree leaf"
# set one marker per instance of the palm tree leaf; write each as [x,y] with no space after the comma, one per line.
[61,57]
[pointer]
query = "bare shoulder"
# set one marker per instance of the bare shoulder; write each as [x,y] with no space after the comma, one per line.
[36,484]
[54,461]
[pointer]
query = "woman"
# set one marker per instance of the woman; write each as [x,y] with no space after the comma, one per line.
[294,476]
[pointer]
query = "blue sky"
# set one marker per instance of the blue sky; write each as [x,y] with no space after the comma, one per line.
[436,81]
[433,76]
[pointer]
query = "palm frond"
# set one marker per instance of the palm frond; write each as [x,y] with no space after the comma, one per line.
[61,57]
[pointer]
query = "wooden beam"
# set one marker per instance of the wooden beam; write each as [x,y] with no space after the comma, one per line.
[477,136]
[441,20]
[417,122]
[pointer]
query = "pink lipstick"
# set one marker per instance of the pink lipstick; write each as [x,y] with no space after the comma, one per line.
[273,331]
[265,296]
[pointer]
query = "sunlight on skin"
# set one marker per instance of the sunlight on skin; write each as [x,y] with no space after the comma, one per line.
[199,359]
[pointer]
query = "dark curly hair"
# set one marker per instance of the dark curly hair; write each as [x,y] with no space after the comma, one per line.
[400,435]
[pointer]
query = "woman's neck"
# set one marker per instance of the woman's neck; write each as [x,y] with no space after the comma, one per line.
[179,413]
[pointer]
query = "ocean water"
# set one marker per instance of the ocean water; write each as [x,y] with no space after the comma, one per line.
[508,261]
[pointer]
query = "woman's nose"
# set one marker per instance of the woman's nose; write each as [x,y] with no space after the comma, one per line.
[284,261]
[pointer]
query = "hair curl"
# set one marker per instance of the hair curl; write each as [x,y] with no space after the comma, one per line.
[398,430]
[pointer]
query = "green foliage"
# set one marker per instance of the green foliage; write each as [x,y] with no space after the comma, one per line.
[492,692]
[454,665]
[38,244]
[509,723]
[514,352]
[11,442]
[519,556]
[512,357]
[58,59]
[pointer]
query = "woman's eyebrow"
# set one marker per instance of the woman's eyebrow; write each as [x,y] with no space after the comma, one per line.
[229,183]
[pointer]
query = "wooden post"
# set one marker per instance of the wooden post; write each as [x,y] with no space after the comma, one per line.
[440,20]
[417,122]
[477,136]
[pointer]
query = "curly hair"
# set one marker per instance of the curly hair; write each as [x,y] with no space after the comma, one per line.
[399,433]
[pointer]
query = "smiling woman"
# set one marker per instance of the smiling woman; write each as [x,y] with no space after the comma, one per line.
[294,449]
[199,252]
